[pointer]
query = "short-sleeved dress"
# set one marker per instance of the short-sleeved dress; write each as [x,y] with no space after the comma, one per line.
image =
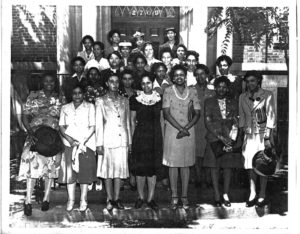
[44,111]
[179,152]
[147,146]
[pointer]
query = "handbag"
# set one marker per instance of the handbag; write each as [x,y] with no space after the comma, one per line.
[191,111]
[218,148]
[264,162]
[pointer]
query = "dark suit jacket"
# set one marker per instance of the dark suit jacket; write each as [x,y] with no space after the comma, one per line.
[214,123]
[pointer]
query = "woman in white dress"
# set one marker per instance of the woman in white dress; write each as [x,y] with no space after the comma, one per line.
[113,140]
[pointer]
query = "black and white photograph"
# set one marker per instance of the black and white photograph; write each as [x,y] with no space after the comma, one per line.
[130,116]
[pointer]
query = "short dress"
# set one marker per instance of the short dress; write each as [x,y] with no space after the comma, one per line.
[44,111]
[147,141]
[179,152]
[79,119]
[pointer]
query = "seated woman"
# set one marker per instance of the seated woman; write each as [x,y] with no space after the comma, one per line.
[146,141]
[113,140]
[179,139]
[140,63]
[148,51]
[78,77]
[113,37]
[77,126]
[87,54]
[221,121]
[41,108]
[99,61]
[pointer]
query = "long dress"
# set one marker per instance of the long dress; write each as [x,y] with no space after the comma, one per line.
[179,152]
[147,139]
[43,111]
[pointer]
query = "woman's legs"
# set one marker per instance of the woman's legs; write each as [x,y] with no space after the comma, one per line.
[30,184]
[71,196]
[84,190]
[226,185]
[263,186]
[140,181]
[117,186]
[109,189]
[173,173]
[252,180]
[151,187]
[185,175]
[215,182]
[48,183]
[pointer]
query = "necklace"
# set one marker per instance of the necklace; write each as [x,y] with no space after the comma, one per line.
[176,94]
[148,100]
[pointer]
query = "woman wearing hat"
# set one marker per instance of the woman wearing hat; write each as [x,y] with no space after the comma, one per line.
[77,126]
[113,37]
[41,109]
[125,49]
[257,121]
[113,140]
[138,42]
[171,40]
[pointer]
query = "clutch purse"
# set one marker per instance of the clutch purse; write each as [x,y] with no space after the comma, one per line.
[191,111]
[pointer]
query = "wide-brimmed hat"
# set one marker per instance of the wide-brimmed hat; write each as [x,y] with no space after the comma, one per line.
[138,34]
[48,142]
[264,162]
[125,43]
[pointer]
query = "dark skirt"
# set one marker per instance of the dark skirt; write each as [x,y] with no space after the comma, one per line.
[228,160]
[87,168]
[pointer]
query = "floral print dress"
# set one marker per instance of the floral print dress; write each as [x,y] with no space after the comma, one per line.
[42,110]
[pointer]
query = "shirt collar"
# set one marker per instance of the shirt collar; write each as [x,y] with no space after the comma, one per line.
[156,84]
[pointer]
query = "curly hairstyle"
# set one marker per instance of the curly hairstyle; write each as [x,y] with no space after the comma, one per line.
[87,37]
[111,33]
[222,79]
[175,68]
[224,58]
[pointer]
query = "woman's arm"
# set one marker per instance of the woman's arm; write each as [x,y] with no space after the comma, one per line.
[133,121]
[173,122]
[194,120]
[99,128]
[62,129]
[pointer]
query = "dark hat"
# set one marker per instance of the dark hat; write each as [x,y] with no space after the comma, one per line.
[264,162]
[170,29]
[48,141]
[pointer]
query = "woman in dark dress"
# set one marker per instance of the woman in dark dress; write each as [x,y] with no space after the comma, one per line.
[147,145]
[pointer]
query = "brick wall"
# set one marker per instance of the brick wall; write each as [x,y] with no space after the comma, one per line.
[33,41]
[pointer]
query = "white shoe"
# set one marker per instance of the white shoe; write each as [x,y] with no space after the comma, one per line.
[99,186]
[70,205]
[90,186]
[83,206]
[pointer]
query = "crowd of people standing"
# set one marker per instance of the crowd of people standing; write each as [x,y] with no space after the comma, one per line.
[131,115]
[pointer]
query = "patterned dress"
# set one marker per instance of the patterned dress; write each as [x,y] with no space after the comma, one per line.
[43,110]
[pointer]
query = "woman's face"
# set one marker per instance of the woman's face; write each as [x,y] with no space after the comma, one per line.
[114,61]
[49,83]
[139,41]
[78,67]
[223,68]
[171,35]
[87,44]
[94,74]
[180,53]
[140,64]
[125,51]
[77,95]
[221,89]
[166,58]
[160,72]
[113,83]
[252,83]
[149,51]
[147,85]
[127,80]
[97,51]
[191,62]
[179,77]
[200,76]
[115,39]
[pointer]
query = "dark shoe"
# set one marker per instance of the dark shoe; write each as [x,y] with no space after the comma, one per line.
[226,203]
[45,206]
[184,202]
[139,203]
[251,203]
[262,203]
[152,205]
[118,204]
[27,209]
[218,203]
[109,205]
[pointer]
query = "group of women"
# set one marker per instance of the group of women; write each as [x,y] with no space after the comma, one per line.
[132,115]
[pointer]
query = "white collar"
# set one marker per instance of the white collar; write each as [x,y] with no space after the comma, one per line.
[156,84]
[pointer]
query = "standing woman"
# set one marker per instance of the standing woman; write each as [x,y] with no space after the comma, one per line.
[147,146]
[87,54]
[180,55]
[41,108]
[192,58]
[166,57]
[171,40]
[99,61]
[140,63]
[125,48]
[138,42]
[221,121]
[148,50]
[113,37]
[113,140]
[179,141]
[114,60]
[77,126]
[257,121]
